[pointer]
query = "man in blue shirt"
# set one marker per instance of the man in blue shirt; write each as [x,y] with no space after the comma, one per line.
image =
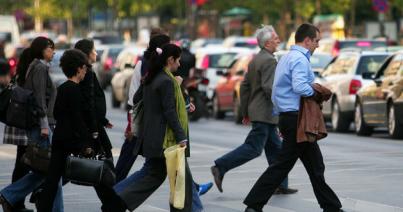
[293,80]
[256,107]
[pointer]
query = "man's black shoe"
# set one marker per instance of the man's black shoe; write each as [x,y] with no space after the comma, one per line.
[252,210]
[6,206]
[285,191]
[217,177]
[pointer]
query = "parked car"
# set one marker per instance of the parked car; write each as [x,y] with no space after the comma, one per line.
[55,72]
[125,64]
[380,103]
[105,38]
[333,47]
[106,68]
[318,60]
[241,42]
[213,59]
[343,77]
[204,42]
[227,92]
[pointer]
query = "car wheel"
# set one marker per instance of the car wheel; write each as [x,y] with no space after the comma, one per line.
[394,128]
[216,109]
[361,128]
[340,122]
[115,102]
[237,111]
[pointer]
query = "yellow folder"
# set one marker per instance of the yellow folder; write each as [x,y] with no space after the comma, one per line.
[175,160]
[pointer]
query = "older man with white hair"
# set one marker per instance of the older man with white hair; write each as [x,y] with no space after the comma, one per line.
[257,107]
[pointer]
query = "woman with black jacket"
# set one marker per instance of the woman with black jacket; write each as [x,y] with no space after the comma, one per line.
[94,104]
[72,135]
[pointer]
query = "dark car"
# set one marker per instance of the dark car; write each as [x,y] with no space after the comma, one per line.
[380,104]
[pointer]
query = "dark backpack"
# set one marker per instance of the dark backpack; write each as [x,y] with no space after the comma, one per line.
[22,111]
[5,96]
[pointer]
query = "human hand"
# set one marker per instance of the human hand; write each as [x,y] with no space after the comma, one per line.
[45,132]
[192,108]
[246,120]
[179,79]
[109,126]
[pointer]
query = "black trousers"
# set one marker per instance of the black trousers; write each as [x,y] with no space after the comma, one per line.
[135,194]
[56,171]
[126,159]
[311,157]
[20,170]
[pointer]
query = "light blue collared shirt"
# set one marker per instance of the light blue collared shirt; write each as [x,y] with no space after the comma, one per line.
[293,79]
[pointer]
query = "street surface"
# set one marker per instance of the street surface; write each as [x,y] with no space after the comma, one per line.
[366,173]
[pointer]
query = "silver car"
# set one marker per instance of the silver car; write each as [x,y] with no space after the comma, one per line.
[343,76]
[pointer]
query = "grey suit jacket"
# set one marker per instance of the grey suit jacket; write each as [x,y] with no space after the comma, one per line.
[159,111]
[256,88]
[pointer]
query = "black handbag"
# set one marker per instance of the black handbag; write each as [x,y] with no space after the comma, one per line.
[89,171]
[37,158]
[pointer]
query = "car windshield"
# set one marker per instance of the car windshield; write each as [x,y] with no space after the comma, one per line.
[370,63]
[362,45]
[5,36]
[114,52]
[320,61]
[108,39]
[221,60]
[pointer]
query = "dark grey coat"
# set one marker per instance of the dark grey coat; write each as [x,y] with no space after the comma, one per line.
[38,80]
[256,88]
[159,111]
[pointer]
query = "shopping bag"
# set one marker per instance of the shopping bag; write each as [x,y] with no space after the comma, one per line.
[175,162]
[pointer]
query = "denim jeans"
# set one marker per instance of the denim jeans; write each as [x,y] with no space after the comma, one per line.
[26,185]
[197,206]
[263,136]
[120,186]
[196,202]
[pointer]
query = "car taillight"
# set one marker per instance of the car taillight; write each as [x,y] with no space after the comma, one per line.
[108,64]
[205,62]
[205,81]
[13,64]
[336,49]
[355,85]
[135,60]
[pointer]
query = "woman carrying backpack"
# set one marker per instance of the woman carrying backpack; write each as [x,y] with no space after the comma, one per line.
[34,75]
[18,137]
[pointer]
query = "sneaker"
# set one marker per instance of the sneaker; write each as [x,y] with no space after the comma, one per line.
[204,188]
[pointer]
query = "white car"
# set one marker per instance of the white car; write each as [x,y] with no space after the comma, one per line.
[343,76]
[125,63]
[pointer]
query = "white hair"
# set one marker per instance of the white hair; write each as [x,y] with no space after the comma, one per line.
[264,34]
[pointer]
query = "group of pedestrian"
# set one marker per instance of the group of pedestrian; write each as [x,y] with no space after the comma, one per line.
[74,119]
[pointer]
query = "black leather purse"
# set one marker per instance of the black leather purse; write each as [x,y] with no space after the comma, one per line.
[37,158]
[90,171]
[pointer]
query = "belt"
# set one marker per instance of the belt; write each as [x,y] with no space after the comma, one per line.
[289,113]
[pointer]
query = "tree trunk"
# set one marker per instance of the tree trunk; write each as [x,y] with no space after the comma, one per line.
[70,27]
[38,19]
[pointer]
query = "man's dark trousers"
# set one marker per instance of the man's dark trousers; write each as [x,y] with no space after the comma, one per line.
[262,136]
[311,157]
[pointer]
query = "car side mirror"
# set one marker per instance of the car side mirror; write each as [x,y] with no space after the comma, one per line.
[222,73]
[378,82]
[367,75]
[240,73]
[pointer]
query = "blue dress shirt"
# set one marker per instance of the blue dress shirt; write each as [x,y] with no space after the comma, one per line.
[293,79]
